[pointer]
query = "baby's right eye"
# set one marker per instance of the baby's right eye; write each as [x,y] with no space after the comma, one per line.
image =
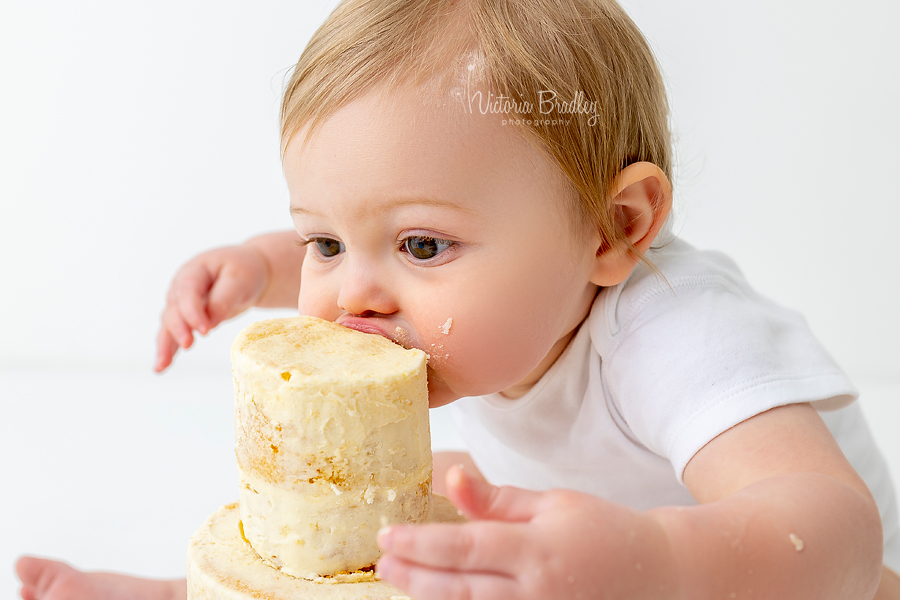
[328,247]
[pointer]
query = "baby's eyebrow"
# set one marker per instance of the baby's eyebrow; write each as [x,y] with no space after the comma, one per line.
[297,210]
[397,202]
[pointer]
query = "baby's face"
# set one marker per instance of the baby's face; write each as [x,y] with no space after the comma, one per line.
[444,231]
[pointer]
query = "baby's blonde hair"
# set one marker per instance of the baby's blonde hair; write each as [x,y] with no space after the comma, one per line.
[588,49]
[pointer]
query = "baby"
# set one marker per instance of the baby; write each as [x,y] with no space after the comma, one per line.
[488,180]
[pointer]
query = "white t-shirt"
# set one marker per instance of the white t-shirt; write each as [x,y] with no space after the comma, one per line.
[660,367]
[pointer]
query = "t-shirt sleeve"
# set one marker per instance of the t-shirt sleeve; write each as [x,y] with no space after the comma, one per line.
[687,359]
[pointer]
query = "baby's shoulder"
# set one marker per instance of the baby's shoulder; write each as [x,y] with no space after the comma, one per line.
[681,279]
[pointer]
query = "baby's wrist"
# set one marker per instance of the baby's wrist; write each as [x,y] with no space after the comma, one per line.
[670,559]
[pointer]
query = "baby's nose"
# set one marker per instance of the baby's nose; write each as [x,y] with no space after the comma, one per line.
[365,291]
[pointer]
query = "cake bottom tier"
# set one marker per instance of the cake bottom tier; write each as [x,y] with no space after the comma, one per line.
[222,565]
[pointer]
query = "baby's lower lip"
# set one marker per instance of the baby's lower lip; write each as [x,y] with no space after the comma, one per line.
[397,334]
[365,328]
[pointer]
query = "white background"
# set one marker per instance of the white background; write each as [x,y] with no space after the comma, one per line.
[134,135]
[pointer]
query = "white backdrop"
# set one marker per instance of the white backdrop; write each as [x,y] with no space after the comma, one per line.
[137,134]
[134,135]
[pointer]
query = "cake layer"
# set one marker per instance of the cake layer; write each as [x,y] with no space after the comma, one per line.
[332,440]
[221,565]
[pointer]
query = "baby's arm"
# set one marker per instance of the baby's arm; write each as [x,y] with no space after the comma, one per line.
[782,515]
[222,283]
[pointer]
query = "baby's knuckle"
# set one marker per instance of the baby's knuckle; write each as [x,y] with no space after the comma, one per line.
[460,589]
[216,307]
[464,544]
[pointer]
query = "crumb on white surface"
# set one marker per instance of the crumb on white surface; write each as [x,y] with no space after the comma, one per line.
[798,543]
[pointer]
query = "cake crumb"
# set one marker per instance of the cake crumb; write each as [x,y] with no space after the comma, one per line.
[335,489]
[445,328]
[401,336]
[798,543]
[391,495]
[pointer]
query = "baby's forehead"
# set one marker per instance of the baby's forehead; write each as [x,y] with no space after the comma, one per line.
[408,140]
[434,117]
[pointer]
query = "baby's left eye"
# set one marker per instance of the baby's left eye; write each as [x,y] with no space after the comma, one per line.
[423,247]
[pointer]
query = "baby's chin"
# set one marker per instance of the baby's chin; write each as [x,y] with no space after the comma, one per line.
[439,393]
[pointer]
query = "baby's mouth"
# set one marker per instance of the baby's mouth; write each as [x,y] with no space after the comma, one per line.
[383,327]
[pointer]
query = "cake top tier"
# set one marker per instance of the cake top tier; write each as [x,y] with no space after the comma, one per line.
[313,349]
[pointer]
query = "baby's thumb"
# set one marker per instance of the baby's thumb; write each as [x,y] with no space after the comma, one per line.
[478,499]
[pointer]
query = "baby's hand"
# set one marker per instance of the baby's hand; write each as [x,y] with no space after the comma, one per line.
[529,545]
[208,289]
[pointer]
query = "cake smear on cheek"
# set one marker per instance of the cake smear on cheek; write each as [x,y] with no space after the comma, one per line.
[437,355]
[402,337]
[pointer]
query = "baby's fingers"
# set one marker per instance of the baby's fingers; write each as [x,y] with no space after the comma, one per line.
[423,583]
[177,327]
[166,347]
[231,293]
[483,546]
[190,294]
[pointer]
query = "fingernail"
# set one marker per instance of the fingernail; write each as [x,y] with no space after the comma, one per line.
[385,538]
[456,477]
[383,569]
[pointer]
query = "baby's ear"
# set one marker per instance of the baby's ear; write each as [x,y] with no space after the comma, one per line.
[642,200]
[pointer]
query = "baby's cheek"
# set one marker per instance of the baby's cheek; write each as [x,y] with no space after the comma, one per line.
[317,305]
[478,360]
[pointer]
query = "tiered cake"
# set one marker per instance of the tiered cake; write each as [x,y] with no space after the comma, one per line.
[332,443]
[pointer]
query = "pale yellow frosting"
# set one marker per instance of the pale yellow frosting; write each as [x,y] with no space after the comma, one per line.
[221,565]
[332,443]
